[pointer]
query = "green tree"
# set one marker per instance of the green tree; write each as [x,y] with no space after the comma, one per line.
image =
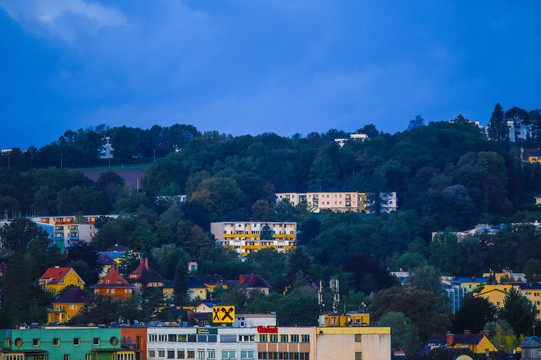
[404,335]
[532,270]
[518,311]
[497,128]
[426,277]
[20,234]
[474,313]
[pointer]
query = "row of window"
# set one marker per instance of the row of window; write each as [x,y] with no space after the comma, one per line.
[283,355]
[56,341]
[201,338]
[199,354]
[293,338]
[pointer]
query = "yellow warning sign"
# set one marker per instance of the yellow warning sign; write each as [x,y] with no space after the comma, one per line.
[223,314]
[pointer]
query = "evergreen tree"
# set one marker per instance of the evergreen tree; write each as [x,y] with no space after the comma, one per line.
[518,311]
[497,127]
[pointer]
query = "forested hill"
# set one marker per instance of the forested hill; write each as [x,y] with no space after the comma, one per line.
[445,174]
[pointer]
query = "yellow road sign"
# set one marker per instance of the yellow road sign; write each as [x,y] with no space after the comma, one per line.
[223,314]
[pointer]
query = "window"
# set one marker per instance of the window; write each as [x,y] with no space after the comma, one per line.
[228,338]
[96,341]
[246,337]
[246,354]
[170,354]
[172,337]
[263,338]
[294,355]
[201,338]
[181,338]
[151,353]
[88,357]
[304,356]
[212,338]
[76,341]
[228,354]
[180,354]
[305,338]
[191,354]
[56,342]
[200,354]
[284,338]
[358,355]
[162,337]
[66,357]
[211,354]
[192,337]
[152,337]
[273,338]
[161,353]
[357,337]
[35,342]
[295,338]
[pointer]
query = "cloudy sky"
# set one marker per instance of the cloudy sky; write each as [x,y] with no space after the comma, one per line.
[245,66]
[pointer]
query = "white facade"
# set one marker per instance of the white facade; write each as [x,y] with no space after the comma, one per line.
[254,320]
[201,343]
[338,201]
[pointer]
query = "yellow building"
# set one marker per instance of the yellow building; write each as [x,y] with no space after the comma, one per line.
[57,278]
[66,306]
[372,343]
[348,319]
[338,201]
[533,293]
[245,237]
[494,293]
[478,343]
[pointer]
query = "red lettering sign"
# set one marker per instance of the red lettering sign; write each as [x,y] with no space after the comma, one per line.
[267,329]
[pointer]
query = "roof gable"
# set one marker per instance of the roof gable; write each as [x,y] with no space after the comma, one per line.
[112,280]
[57,274]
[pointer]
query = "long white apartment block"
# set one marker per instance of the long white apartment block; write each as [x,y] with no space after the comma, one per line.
[339,201]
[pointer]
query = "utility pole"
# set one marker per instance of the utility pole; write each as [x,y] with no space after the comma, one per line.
[61,160]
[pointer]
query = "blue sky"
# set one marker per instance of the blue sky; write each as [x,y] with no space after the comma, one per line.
[261,66]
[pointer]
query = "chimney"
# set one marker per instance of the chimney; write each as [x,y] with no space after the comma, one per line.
[450,339]
[146,263]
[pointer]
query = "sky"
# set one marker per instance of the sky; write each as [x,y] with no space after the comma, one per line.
[248,67]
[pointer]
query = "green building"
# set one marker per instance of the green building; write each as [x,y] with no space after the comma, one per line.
[63,343]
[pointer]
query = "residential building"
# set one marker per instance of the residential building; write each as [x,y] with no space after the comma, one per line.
[478,343]
[532,156]
[57,278]
[455,292]
[506,273]
[64,343]
[357,343]
[531,348]
[66,306]
[494,293]
[144,276]
[339,201]
[357,136]
[112,284]
[209,281]
[196,289]
[344,319]
[248,237]
[135,338]
[254,282]
[532,292]
[67,231]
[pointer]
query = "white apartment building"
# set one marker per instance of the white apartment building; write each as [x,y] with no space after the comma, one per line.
[338,201]
[245,237]
[201,343]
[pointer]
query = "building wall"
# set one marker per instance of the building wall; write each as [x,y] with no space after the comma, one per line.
[135,338]
[66,338]
[245,237]
[160,343]
[372,343]
[336,201]
[266,343]
[115,292]
[63,312]
[71,279]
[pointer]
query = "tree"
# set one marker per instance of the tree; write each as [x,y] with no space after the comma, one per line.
[474,313]
[518,311]
[532,270]
[298,262]
[416,123]
[404,335]
[426,277]
[497,128]
[18,235]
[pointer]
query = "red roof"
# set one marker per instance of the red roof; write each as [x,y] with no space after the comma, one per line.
[253,281]
[144,273]
[55,275]
[112,280]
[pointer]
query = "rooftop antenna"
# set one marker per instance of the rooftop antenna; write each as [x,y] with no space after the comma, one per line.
[335,289]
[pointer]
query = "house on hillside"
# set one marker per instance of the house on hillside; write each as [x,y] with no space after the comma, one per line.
[114,285]
[144,276]
[66,306]
[478,343]
[57,278]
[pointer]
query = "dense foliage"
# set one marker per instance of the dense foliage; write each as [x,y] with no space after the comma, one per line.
[448,176]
